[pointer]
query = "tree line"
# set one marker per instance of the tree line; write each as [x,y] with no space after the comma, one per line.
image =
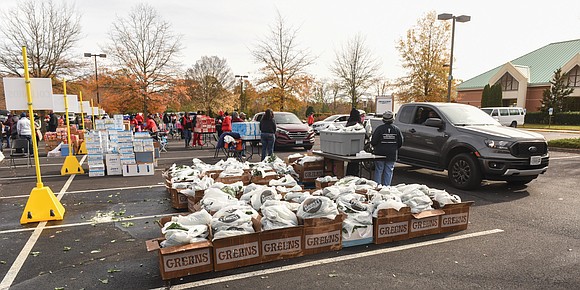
[145,75]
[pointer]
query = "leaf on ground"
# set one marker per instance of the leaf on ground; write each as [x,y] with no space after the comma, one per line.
[127,224]
[104,281]
[3,262]
[95,251]
[129,240]
[66,249]
[113,270]
[332,275]
[35,254]
[58,288]
[112,241]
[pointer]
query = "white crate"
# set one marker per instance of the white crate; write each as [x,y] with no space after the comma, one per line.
[342,143]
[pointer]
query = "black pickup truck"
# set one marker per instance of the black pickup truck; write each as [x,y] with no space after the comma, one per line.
[469,144]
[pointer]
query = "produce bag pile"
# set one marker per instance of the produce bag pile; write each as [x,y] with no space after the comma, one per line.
[277,214]
[317,207]
[233,220]
[182,230]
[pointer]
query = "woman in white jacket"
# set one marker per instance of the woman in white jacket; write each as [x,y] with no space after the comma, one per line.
[24,130]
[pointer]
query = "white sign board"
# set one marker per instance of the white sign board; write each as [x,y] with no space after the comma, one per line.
[93,109]
[15,92]
[85,108]
[384,103]
[58,103]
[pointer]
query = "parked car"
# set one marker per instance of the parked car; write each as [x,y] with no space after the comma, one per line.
[507,116]
[290,131]
[334,119]
[469,144]
[4,115]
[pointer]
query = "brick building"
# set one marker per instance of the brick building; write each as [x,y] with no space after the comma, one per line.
[524,79]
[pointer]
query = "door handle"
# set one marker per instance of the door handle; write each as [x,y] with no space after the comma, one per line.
[412,130]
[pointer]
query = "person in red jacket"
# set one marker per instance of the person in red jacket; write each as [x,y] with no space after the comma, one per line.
[311,119]
[227,123]
[151,126]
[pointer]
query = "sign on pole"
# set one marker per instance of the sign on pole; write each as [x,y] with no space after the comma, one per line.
[15,92]
[58,103]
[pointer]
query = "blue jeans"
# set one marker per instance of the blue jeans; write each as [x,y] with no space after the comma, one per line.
[267,140]
[384,172]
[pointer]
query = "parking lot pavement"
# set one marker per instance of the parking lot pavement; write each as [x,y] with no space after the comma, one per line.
[100,242]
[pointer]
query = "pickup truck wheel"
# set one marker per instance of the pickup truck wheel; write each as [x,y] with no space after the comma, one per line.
[464,171]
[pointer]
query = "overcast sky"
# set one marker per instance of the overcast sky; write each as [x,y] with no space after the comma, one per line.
[499,31]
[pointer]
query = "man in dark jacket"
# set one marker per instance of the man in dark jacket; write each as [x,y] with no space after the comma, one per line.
[52,122]
[386,141]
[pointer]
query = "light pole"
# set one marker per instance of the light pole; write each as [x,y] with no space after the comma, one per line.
[462,18]
[88,54]
[242,98]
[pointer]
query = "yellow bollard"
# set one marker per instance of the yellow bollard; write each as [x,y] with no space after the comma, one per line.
[42,205]
[71,163]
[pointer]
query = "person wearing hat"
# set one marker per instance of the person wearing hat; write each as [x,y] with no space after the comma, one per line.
[24,130]
[386,141]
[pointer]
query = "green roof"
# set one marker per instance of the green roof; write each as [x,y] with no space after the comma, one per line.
[541,62]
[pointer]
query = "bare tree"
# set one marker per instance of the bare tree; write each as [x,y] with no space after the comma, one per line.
[355,68]
[210,81]
[282,59]
[48,31]
[143,45]
[424,53]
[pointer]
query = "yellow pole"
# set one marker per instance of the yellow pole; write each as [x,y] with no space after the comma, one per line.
[93,111]
[70,147]
[31,116]
[42,204]
[82,111]
[71,163]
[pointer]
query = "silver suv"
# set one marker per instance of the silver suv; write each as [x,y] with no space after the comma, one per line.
[469,144]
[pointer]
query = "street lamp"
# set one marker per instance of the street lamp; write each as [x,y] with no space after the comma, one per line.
[462,18]
[242,98]
[88,54]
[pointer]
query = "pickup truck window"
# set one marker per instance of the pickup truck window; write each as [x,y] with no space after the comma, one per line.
[467,115]
[406,114]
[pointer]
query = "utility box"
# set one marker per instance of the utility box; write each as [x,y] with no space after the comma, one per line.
[342,143]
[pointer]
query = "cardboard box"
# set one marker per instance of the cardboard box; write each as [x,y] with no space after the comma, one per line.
[391,225]
[309,171]
[321,185]
[425,223]
[322,235]
[114,170]
[238,251]
[456,217]
[184,260]
[263,180]
[138,169]
[96,172]
[193,201]
[282,243]
[144,157]
[333,167]
[245,178]
[178,200]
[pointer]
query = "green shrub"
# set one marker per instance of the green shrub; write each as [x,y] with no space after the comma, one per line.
[564,118]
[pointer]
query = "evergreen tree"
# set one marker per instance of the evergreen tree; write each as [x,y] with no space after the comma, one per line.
[485,95]
[495,99]
[554,96]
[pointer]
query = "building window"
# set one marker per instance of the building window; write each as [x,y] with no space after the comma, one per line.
[508,83]
[574,77]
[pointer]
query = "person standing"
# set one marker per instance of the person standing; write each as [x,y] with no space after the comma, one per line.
[227,123]
[24,130]
[311,119]
[352,168]
[187,127]
[52,122]
[268,133]
[151,125]
[386,141]
[218,123]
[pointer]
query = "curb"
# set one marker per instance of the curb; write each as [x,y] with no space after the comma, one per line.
[552,130]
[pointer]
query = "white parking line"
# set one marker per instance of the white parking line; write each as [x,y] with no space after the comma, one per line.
[25,252]
[93,190]
[330,260]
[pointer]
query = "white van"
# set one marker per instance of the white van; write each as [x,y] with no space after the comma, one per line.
[507,116]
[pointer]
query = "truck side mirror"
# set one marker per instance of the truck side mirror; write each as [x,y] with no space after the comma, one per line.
[434,122]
